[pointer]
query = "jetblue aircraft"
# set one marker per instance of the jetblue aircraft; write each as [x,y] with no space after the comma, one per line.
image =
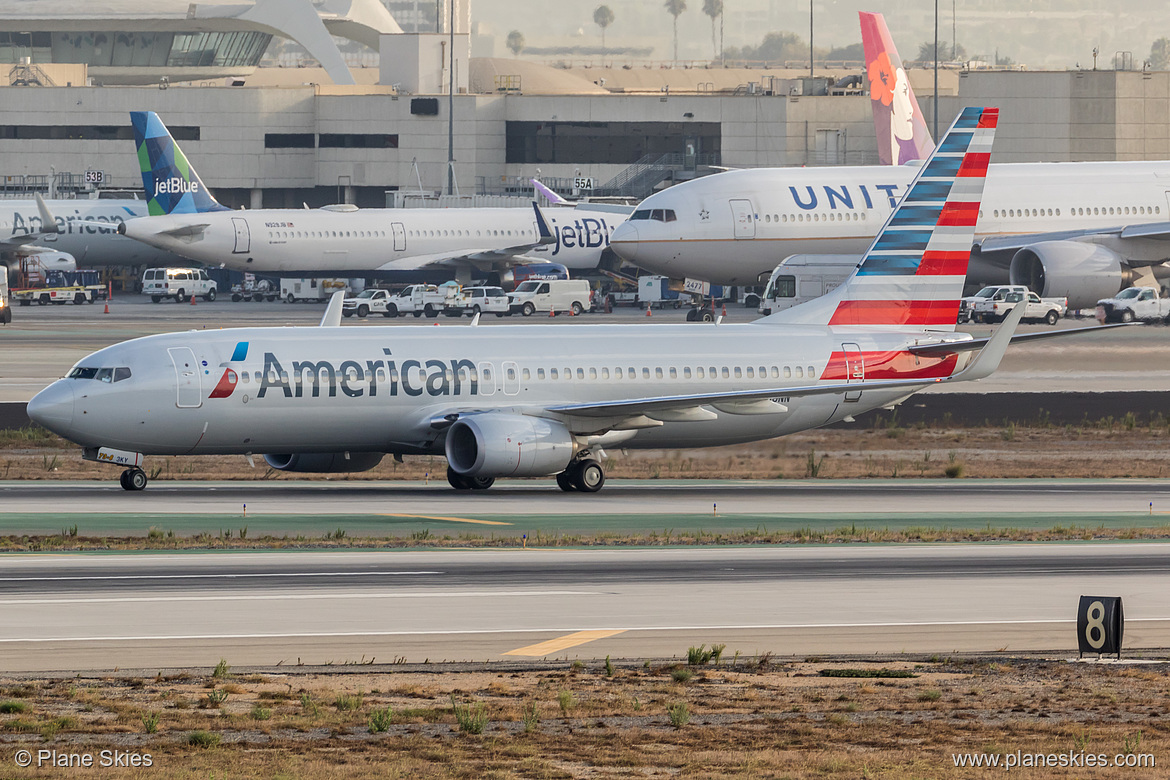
[343,240]
[524,401]
[1078,230]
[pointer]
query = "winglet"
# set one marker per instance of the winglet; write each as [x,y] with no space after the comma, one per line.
[542,228]
[332,318]
[987,361]
[48,222]
[548,194]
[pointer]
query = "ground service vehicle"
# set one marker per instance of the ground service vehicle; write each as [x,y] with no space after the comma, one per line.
[5,308]
[479,300]
[1134,303]
[417,299]
[310,290]
[655,291]
[552,296]
[60,287]
[995,307]
[800,278]
[177,283]
[253,289]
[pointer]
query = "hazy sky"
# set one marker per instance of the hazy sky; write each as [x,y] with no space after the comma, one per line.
[1053,34]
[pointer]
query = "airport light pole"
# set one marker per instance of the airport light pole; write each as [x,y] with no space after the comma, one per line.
[810,41]
[451,102]
[936,68]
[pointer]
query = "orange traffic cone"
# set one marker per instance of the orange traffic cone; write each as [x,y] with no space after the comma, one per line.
[109,294]
[572,313]
[552,312]
[725,310]
[107,306]
[648,310]
[192,300]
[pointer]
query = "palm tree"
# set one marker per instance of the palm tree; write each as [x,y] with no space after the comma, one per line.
[714,9]
[675,9]
[515,42]
[603,17]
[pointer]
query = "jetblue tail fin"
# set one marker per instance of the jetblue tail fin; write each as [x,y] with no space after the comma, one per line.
[901,131]
[172,186]
[912,275]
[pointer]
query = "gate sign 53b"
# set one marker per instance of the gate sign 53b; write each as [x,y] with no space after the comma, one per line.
[1100,624]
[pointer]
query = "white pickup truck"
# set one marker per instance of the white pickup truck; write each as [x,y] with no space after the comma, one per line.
[417,299]
[992,304]
[1134,303]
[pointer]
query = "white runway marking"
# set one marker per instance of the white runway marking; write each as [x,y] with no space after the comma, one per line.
[97,577]
[554,630]
[302,596]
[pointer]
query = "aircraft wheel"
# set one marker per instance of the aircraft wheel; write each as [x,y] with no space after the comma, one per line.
[122,479]
[134,479]
[457,480]
[588,477]
[706,316]
[565,482]
[481,483]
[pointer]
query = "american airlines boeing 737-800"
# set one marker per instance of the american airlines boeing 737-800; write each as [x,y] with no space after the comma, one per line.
[1079,230]
[345,240]
[518,401]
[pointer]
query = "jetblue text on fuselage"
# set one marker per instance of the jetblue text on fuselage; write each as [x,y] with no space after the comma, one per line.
[841,197]
[371,378]
[587,233]
[175,186]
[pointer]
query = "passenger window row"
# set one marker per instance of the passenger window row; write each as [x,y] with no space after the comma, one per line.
[672,372]
[1078,211]
[832,216]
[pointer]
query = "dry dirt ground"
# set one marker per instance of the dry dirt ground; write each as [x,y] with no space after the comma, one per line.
[1104,448]
[744,717]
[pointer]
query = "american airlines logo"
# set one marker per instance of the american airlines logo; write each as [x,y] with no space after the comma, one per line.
[175,186]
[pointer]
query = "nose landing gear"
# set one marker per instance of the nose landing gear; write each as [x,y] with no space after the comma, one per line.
[133,479]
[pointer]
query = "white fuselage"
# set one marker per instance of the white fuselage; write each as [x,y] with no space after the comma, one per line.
[88,243]
[362,241]
[732,227]
[379,389]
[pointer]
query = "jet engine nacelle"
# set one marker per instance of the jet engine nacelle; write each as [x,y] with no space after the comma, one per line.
[1080,271]
[508,445]
[324,462]
[45,260]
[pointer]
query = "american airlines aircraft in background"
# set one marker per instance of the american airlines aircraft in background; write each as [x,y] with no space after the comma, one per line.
[1076,230]
[522,401]
[83,232]
[341,240]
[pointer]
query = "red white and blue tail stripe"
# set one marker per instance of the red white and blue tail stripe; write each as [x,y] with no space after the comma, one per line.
[912,275]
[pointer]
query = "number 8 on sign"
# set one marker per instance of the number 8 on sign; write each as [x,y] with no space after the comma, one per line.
[1095,630]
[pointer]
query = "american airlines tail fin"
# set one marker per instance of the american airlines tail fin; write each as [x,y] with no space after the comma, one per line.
[172,185]
[912,274]
[901,131]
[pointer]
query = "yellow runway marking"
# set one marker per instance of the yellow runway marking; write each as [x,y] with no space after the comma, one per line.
[564,642]
[451,519]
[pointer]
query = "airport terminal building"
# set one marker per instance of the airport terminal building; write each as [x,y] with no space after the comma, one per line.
[287,136]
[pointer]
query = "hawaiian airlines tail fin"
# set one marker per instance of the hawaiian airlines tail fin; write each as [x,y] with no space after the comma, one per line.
[172,185]
[901,130]
[912,275]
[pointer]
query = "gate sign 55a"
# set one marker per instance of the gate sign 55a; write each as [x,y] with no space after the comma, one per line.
[1100,624]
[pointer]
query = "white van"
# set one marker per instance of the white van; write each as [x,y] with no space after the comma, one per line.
[555,295]
[177,283]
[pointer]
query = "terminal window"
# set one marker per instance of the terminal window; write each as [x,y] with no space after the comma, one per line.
[615,143]
[358,141]
[289,140]
[86,132]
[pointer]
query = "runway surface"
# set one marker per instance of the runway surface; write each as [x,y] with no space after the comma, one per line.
[43,342]
[85,612]
[623,507]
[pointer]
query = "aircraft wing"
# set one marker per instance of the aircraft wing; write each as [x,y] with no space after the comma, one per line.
[485,255]
[1011,243]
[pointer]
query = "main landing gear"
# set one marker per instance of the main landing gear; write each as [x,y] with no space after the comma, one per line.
[460,482]
[133,479]
[584,476]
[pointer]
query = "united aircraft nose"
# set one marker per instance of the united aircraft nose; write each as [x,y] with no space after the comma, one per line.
[53,407]
[624,241]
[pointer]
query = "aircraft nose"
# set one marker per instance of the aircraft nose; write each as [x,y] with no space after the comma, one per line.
[624,241]
[53,407]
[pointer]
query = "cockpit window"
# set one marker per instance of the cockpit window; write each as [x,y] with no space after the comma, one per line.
[658,215]
[640,214]
[101,374]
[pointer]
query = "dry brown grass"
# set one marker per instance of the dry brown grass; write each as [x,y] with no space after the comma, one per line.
[1120,448]
[784,721]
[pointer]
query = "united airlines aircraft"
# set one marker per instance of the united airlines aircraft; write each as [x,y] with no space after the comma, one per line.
[1078,230]
[343,240]
[525,401]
